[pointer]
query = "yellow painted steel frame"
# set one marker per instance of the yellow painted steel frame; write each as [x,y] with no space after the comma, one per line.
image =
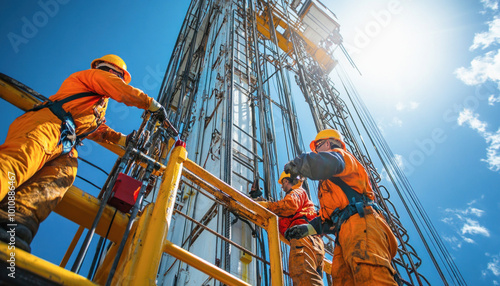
[326,61]
[148,240]
[40,267]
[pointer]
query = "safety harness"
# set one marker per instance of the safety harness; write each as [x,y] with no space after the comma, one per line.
[68,137]
[357,204]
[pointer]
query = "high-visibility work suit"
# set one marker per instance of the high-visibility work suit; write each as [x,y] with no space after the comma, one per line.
[37,197]
[306,254]
[365,246]
[33,138]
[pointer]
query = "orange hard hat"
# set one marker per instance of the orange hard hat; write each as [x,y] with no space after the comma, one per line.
[327,134]
[115,61]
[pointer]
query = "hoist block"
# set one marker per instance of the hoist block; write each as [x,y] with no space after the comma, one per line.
[124,193]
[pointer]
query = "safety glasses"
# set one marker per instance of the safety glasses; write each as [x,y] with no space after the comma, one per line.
[319,143]
[119,74]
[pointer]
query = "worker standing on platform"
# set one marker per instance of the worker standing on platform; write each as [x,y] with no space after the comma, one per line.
[365,245]
[306,254]
[38,161]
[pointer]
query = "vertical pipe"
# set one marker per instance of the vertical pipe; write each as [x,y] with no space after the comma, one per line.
[262,106]
[228,152]
[292,116]
[317,122]
[187,71]
[165,94]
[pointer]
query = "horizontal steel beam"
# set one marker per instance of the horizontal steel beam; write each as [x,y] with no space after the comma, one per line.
[81,208]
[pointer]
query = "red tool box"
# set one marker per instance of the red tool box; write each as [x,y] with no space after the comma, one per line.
[124,193]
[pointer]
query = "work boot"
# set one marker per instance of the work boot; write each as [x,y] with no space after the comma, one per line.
[16,234]
[17,230]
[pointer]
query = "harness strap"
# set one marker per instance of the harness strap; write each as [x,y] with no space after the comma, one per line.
[63,101]
[357,204]
[63,115]
[68,137]
[352,195]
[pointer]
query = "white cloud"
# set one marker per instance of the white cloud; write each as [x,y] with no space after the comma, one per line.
[482,68]
[492,152]
[476,212]
[447,220]
[492,99]
[485,39]
[468,240]
[493,139]
[472,227]
[396,121]
[400,106]
[468,211]
[466,116]
[474,201]
[493,265]
[491,4]
[454,242]
[465,223]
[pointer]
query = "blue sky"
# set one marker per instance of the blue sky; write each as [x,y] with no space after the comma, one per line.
[431,74]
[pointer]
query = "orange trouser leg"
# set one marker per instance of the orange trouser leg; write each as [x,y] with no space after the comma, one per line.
[306,260]
[31,142]
[367,246]
[38,196]
[341,272]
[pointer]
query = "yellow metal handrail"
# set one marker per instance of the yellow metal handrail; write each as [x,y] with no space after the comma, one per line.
[149,239]
[144,247]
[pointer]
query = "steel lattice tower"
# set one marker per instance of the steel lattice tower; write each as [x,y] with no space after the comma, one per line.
[235,73]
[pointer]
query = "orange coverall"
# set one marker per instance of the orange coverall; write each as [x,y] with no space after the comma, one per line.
[365,245]
[306,254]
[32,139]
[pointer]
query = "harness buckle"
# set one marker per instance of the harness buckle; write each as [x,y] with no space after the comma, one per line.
[360,209]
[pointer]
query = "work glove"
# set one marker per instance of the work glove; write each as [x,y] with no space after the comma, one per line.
[161,114]
[154,106]
[158,110]
[292,169]
[299,231]
[123,141]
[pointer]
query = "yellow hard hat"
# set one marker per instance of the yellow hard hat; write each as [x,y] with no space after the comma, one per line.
[115,61]
[287,176]
[282,176]
[325,134]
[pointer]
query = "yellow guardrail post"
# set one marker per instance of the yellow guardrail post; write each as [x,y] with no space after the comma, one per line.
[150,249]
[275,252]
